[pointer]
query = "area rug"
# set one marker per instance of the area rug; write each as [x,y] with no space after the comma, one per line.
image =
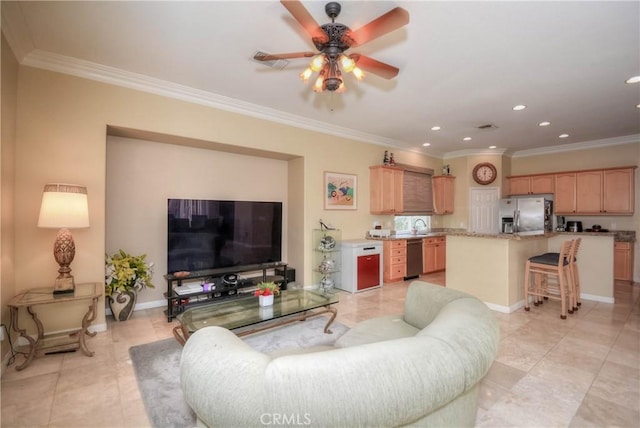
[157,367]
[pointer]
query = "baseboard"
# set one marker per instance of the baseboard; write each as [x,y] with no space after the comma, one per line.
[504,309]
[595,298]
[520,304]
[141,306]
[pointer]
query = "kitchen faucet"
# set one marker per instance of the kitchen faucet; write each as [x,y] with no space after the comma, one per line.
[415,225]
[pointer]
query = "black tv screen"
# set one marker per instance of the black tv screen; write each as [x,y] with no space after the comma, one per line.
[209,234]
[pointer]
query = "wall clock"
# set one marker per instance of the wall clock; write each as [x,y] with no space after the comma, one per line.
[485,173]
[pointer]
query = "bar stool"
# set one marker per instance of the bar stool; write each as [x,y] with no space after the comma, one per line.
[575,278]
[555,265]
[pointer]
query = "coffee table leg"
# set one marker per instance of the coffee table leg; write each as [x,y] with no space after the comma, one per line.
[178,333]
[334,312]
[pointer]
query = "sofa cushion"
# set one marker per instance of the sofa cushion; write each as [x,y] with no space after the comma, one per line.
[376,330]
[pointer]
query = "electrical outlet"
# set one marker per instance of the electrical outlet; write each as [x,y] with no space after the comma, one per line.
[1,332]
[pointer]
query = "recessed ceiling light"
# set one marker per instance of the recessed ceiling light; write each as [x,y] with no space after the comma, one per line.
[563,135]
[466,139]
[637,105]
[492,147]
[544,123]
[634,79]
[520,107]
[426,144]
[435,128]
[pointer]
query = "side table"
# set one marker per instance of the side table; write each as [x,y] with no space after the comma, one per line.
[56,342]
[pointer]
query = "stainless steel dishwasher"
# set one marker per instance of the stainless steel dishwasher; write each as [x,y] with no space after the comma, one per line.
[414,258]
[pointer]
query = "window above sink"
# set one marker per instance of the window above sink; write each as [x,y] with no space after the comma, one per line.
[406,224]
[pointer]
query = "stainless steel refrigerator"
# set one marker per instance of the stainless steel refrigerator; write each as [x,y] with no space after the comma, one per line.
[526,216]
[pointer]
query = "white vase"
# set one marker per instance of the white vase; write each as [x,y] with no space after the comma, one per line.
[265,300]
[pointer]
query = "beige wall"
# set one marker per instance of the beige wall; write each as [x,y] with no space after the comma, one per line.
[142,175]
[8,91]
[62,136]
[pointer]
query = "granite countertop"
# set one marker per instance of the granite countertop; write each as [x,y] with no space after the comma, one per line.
[618,235]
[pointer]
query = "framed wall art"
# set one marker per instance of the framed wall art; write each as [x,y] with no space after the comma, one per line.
[340,191]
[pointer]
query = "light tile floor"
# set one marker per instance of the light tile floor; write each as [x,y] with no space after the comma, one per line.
[580,372]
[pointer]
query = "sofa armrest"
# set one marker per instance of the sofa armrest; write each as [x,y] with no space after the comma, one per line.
[424,301]
[219,372]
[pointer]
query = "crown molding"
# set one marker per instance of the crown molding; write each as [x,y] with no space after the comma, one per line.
[15,31]
[594,144]
[472,152]
[114,76]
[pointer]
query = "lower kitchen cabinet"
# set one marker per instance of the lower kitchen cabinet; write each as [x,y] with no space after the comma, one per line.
[434,254]
[394,254]
[623,261]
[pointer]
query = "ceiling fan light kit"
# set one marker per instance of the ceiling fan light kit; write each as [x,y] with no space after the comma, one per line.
[333,39]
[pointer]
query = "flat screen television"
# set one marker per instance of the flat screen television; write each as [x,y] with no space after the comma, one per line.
[211,234]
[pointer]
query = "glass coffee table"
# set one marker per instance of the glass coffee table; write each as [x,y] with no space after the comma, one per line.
[247,316]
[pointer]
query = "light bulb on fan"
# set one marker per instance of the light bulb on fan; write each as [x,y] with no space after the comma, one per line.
[317,63]
[306,74]
[347,63]
[358,73]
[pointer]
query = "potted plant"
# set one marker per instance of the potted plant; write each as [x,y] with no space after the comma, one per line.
[125,276]
[266,291]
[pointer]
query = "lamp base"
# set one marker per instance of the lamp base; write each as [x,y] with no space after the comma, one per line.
[64,286]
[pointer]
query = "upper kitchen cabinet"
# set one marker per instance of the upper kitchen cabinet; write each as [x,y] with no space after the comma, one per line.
[565,193]
[531,184]
[619,191]
[386,189]
[443,194]
[595,192]
[589,192]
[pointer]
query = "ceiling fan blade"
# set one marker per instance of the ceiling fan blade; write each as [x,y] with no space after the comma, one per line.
[375,67]
[392,20]
[304,18]
[261,56]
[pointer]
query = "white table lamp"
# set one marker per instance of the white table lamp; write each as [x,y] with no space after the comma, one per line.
[64,206]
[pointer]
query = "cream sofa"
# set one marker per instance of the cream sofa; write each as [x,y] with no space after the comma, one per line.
[420,368]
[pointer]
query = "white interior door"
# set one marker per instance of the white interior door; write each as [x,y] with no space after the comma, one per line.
[483,209]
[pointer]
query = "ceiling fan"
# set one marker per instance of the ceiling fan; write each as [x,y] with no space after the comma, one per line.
[333,39]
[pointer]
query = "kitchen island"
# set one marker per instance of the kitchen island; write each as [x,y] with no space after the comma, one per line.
[492,266]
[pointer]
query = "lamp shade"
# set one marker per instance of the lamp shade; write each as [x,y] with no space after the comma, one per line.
[64,205]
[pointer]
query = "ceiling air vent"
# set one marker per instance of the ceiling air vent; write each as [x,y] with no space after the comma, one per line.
[276,63]
[488,126]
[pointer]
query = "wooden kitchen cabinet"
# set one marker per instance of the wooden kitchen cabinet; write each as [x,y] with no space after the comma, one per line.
[443,194]
[618,191]
[531,185]
[394,255]
[595,192]
[385,184]
[589,192]
[623,261]
[434,254]
[565,193]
